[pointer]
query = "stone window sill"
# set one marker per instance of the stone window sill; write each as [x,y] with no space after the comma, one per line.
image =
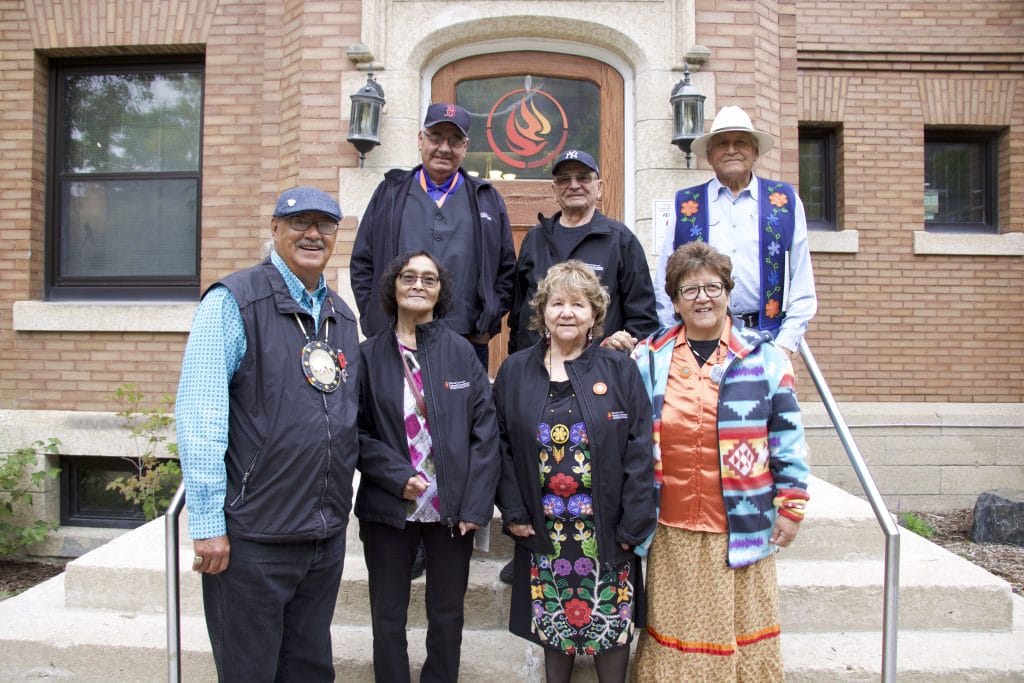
[834,242]
[114,316]
[968,244]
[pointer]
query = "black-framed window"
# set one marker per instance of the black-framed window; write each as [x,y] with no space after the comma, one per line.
[84,498]
[125,180]
[960,180]
[818,171]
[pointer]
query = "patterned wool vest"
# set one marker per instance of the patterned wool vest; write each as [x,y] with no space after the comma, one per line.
[776,221]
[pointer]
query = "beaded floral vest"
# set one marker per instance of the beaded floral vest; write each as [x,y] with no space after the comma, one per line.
[775,232]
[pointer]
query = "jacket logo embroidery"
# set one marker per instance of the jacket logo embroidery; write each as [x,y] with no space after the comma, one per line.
[618,415]
[456,384]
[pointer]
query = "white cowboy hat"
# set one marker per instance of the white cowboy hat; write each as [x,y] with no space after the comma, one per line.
[732,118]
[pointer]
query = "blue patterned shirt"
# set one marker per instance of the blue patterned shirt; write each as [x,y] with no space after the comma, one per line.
[216,346]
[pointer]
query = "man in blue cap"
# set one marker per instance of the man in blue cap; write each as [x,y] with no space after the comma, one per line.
[580,231]
[459,219]
[266,423]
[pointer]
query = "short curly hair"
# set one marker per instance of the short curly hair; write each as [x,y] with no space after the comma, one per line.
[571,277]
[694,256]
[389,298]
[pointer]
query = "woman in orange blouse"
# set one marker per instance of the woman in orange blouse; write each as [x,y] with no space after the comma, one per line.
[733,474]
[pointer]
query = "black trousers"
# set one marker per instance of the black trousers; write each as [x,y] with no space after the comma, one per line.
[389,553]
[269,614]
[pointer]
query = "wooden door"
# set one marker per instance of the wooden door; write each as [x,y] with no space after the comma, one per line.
[527,107]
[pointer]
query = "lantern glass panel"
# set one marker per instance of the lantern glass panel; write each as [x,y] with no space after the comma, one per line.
[365,119]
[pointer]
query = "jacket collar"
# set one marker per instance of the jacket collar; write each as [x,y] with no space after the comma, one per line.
[403,175]
[596,226]
[742,341]
[582,362]
[427,332]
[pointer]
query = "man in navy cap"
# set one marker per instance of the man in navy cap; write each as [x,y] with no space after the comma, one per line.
[266,422]
[580,231]
[459,219]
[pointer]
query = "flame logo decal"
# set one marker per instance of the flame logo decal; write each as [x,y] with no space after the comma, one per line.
[526,129]
[532,119]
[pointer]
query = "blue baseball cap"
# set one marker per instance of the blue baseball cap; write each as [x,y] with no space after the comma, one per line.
[302,199]
[447,113]
[575,155]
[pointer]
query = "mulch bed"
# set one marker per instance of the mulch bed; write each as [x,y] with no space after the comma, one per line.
[953,532]
[16,576]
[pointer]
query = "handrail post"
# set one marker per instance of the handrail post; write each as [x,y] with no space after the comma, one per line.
[171,557]
[890,591]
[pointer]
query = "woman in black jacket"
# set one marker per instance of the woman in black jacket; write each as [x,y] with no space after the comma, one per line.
[577,483]
[429,466]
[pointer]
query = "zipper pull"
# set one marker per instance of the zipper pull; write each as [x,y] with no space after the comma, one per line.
[451,529]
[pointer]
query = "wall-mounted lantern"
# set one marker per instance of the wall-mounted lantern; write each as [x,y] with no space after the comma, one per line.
[687,114]
[365,117]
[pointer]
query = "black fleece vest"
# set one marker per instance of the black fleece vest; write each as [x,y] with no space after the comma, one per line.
[292,449]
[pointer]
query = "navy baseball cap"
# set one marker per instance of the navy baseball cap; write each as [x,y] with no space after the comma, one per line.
[302,199]
[575,155]
[447,113]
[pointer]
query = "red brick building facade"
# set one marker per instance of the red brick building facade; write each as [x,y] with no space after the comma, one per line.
[906,314]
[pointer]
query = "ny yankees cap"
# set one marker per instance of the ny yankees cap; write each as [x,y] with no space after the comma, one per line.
[575,155]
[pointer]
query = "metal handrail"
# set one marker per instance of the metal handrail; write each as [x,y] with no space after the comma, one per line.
[892,534]
[173,585]
[892,540]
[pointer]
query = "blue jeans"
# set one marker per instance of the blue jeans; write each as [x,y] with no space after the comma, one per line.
[269,614]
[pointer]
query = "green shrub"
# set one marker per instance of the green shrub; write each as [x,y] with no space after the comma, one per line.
[156,478]
[19,480]
[913,522]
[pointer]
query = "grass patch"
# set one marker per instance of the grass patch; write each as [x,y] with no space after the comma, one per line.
[913,522]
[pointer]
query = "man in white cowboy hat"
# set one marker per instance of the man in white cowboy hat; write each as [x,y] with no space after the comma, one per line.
[759,223]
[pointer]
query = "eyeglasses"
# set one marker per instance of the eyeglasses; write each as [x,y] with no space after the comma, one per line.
[409,278]
[302,223]
[566,180]
[437,140]
[691,292]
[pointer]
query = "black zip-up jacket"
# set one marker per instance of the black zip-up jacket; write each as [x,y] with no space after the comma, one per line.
[377,244]
[619,261]
[460,416]
[291,448]
[617,414]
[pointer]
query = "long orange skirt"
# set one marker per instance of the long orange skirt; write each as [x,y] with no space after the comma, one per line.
[705,621]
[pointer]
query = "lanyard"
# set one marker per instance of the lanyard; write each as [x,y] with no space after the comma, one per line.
[445,192]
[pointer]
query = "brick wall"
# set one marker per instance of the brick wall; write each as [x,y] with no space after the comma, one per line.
[891,325]
[271,120]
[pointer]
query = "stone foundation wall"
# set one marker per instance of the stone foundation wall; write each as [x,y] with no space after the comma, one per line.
[923,456]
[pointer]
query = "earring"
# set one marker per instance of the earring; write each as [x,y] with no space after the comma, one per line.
[547,335]
[590,335]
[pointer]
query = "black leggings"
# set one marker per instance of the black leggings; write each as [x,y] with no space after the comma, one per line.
[611,665]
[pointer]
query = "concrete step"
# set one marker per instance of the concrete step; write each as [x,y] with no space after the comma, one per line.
[41,638]
[128,571]
[939,591]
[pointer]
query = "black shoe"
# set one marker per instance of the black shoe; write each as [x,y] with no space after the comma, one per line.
[419,563]
[506,573]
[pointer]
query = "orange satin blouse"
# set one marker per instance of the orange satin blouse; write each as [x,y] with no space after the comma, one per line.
[691,493]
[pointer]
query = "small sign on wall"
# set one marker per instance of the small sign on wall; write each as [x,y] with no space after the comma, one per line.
[662,222]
